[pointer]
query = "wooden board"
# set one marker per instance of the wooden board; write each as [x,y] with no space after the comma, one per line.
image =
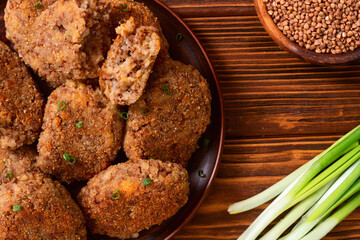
[279,113]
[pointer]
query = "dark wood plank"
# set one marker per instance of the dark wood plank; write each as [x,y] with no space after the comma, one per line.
[191,8]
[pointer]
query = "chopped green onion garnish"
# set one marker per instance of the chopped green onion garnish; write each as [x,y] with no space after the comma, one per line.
[124,115]
[61,105]
[79,124]
[146,111]
[146,181]
[16,208]
[166,90]
[124,7]
[70,159]
[179,37]
[115,195]
[9,175]
[206,142]
[38,5]
[201,173]
[151,158]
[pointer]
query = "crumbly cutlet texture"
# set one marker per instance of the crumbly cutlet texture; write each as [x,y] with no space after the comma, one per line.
[139,43]
[17,162]
[47,210]
[129,62]
[94,145]
[165,124]
[60,39]
[138,207]
[21,104]
[142,17]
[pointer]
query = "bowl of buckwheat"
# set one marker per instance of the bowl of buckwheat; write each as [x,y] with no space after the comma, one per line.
[318,31]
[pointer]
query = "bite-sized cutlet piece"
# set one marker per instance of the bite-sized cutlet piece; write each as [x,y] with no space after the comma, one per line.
[21,104]
[59,39]
[129,62]
[168,120]
[35,207]
[82,133]
[130,197]
[14,163]
[139,43]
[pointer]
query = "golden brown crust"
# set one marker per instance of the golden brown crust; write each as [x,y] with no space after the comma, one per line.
[138,207]
[21,104]
[176,120]
[62,39]
[17,162]
[94,145]
[47,210]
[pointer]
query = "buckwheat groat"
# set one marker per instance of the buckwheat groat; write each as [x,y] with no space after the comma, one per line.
[133,196]
[21,104]
[82,133]
[169,118]
[35,207]
[129,62]
[60,39]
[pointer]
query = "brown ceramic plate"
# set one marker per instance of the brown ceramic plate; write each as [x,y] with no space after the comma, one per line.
[189,51]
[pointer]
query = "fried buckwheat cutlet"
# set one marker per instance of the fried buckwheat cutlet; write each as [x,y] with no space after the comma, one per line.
[129,62]
[168,120]
[35,207]
[82,133]
[133,196]
[59,39]
[21,104]
[14,163]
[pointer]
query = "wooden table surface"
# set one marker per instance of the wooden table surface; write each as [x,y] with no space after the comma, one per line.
[279,112]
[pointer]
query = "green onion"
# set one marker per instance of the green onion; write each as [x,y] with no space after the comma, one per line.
[304,225]
[280,186]
[206,142]
[295,213]
[146,181]
[9,175]
[166,90]
[38,5]
[146,111]
[61,105]
[269,193]
[115,195]
[290,195]
[16,208]
[70,159]
[151,158]
[124,7]
[124,115]
[179,37]
[326,226]
[79,124]
[201,173]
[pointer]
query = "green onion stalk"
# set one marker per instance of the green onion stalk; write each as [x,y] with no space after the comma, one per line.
[339,192]
[307,182]
[326,226]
